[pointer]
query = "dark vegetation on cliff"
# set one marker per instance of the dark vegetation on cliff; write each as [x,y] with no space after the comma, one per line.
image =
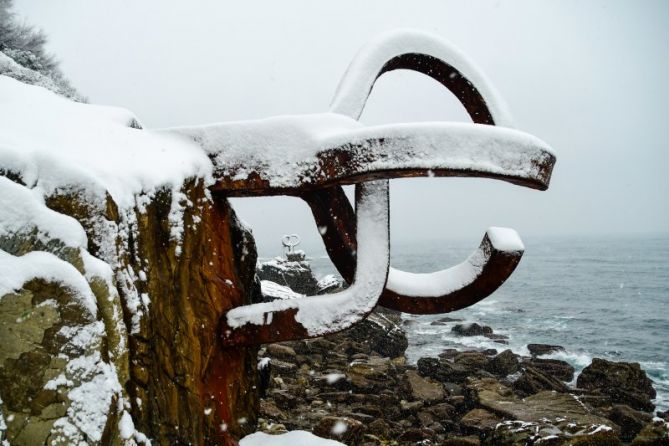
[26,45]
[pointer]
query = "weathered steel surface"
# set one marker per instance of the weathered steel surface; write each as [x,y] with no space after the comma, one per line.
[280,320]
[357,155]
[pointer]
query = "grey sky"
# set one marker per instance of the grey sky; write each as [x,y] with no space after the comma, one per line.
[590,78]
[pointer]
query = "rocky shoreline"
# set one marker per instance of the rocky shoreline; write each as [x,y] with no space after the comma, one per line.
[357,387]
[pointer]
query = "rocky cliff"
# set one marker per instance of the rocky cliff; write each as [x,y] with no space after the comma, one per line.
[114,274]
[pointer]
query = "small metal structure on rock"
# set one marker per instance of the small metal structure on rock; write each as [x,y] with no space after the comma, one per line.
[289,242]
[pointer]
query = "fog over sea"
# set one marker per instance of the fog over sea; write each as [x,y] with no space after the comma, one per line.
[601,296]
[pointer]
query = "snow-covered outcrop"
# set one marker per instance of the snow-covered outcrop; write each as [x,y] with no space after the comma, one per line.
[120,245]
[116,264]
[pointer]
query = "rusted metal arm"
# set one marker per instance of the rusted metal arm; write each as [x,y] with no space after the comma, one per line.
[487,268]
[253,166]
[455,288]
[305,317]
[331,209]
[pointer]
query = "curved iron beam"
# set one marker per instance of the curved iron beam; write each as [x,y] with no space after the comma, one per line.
[382,152]
[305,317]
[330,207]
[476,278]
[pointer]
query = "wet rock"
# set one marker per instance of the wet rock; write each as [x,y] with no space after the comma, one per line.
[443,411]
[282,352]
[479,421]
[664,415]
[295,274]
[411,407]
[448,353]
[498,338]
[532,381]
[378,427]
[442,370]
[414,435]
[653,434]
[426,418]
[269,410]
[471,440]
[503,364]
[472,361]
[472,329]
[556,433]
[624,382]
[630,421]
[343,429]
[284,399]
[312,346]
[445,320]
[424,389]
[544,349]
[283,368]
[329,284]
[453,389]
[336,397]
[369,375]
[556,368]
[492,395]
[381,334]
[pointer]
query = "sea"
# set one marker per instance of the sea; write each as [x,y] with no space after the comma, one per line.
[597,296]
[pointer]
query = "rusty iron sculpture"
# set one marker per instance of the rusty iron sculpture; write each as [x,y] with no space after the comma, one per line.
[252,159]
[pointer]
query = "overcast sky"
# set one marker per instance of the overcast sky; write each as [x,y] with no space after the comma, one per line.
[590,78]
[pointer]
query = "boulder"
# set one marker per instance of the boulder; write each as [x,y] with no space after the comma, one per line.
[269,410]
[492,395]
[443,411]
[544,349]
[282,352]
[556,368]
[470,440]
[378,427]
[381,333]
[555,433]
[479,421]
[653,434]
[472,329]
[329,284]
[624,382]
[369,375]
[497,338]
[426,418]
[445,320]
[293,273]
[442,370]
[283,368]
[532,381]
[471,361]
[415,435]
[630,421]
[284,399]
[344,429]
[424,389]
[412,407]
[503,364]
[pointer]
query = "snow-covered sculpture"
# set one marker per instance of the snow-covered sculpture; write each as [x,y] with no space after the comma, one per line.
[127,282]
[311,156]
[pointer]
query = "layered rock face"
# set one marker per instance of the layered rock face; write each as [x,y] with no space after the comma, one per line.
[117,264]
[123,350]
[293,272]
